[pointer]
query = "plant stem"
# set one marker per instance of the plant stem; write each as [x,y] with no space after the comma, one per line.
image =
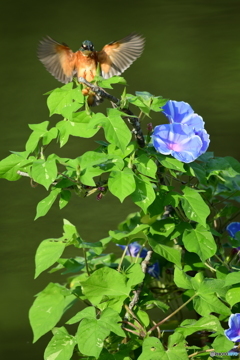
[121,260]
[210,267]
[223,262]
[200,352]
[86,263]
[172,314]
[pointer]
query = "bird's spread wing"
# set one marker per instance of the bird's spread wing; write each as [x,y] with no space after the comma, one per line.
[117,56]
[57,58]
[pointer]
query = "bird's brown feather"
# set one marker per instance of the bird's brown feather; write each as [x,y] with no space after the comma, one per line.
[114,58]
[117,56]
[86,66]
[57,58]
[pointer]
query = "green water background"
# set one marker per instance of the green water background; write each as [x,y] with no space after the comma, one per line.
[192,53]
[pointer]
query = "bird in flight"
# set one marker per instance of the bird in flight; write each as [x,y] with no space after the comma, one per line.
[113,59]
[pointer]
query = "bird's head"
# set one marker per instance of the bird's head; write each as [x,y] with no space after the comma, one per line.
[87,46]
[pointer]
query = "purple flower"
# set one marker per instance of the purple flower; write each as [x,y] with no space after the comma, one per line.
[185,137]
[133,250]
[233,333]
[154,270]
[233,228]
[150,127]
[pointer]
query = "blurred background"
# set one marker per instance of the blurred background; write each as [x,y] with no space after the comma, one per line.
[192,53]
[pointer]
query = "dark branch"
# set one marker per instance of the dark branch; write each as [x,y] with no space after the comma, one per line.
[137,292]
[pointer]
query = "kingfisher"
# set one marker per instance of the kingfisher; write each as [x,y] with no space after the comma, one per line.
[113,59]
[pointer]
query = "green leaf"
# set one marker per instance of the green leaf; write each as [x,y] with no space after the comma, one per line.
[194,206]
[200,172]
[143,317]
[93,164]
[113,150]
[67,128]
[157,103]
[137,232]
[181,279]
[122,183]
[61,100]
[200,241]
[90,337]
[205,304]
[169,253]
[197,281]
[96,247]
[213,285]
[46,310]
[163,227]
[113,302]
[139,102]
[135,274]
[176,347]
[169,162]
[49,136]
[48,252]
[105,281]
[112,321]
[106,83]
[232,278]
[152,349]
[64,131]
[144,195]
[11,164]
[61,346]
[45,204]
[92,332]
[233,296]
[44,172]
[77,94]
[223,165]
[105,355]
[144,95]
[98,159]
[116,131]
[159,304]
[222,344]
[89,313]
[146,101]
[146,166]
[39,130]
[210,323]
[64,198]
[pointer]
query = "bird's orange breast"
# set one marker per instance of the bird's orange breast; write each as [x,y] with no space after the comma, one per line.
[86,65]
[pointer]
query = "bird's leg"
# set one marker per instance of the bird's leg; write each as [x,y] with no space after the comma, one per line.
[100,93]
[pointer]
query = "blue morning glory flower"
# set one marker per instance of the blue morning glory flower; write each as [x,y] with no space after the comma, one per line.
[177,111]
[233,333]
[233,228]
[133,250]
[185,137]
[154,270]
[177,140]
